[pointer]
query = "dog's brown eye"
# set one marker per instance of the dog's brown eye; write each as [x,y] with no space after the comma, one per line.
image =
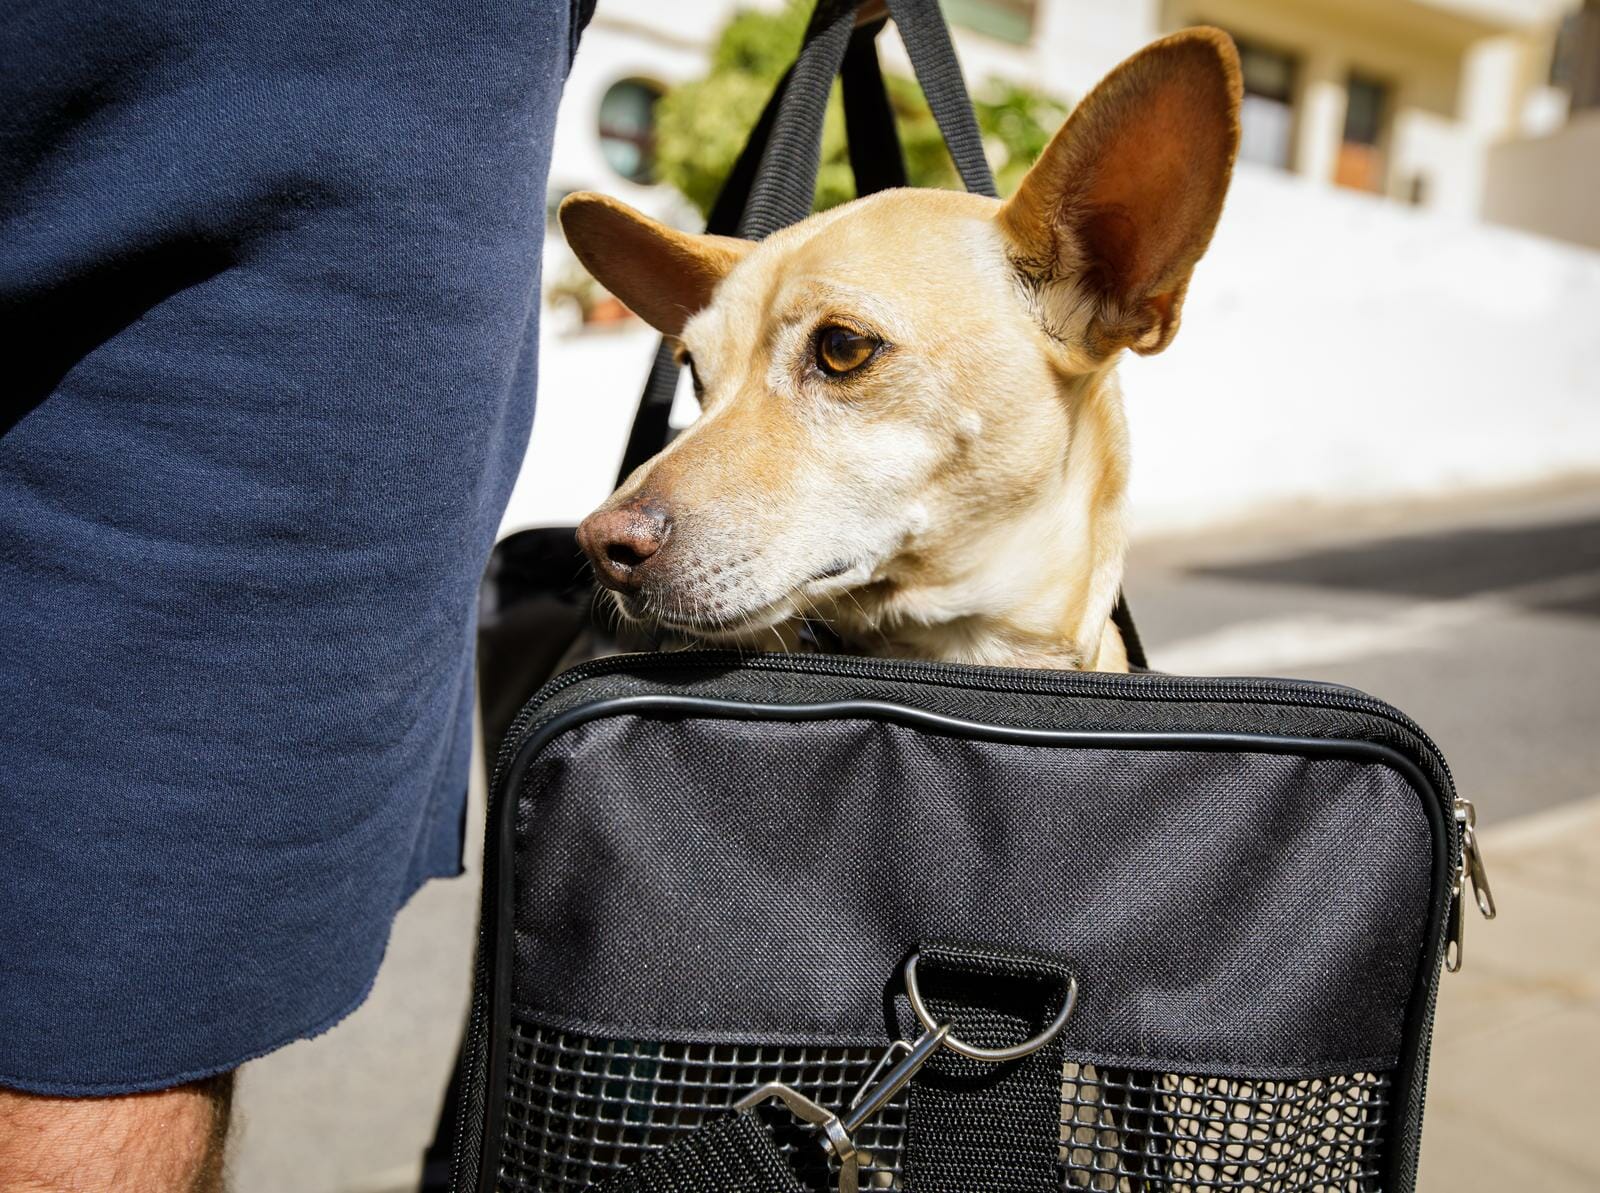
[840,350]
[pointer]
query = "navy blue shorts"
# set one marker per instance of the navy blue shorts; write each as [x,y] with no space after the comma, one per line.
[269,279]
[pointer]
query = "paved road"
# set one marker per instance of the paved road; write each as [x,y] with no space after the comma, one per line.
[1481,619]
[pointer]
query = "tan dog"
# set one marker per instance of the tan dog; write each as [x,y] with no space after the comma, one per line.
[911,428]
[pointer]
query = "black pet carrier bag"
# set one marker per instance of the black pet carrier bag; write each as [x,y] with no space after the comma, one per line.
[813,922]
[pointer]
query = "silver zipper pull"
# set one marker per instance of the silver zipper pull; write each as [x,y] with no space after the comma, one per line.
[1454,933]
[1470,871]
[1472,858]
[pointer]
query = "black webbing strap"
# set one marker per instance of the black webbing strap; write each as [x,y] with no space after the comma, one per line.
[735,1154]
[734,196]
[972,1125]
[875,157]
[1122,618]
[787,180]
[933,58]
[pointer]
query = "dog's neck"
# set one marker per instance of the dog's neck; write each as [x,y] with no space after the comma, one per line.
[1037,591]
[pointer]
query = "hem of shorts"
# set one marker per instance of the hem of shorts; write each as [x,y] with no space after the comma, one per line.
[112,1089]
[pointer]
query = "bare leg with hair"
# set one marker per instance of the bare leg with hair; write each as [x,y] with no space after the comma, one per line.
[168,1141]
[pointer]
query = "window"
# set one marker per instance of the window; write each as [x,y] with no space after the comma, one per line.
[1575,57]
[1266,117]
[628,129]
[1004,20]
[1362,163]
[1564,54]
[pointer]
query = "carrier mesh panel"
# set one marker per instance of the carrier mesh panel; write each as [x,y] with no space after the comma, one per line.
[578,1109]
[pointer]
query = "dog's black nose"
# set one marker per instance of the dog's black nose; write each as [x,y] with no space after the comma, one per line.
[619,542]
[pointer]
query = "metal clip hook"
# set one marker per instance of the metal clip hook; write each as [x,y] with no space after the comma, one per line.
[889,1076]
[838,1133]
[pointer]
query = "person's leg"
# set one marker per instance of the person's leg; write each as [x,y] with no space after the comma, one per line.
[166,1141]
[271,271]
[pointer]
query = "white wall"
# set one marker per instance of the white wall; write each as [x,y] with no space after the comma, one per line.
[1549,184]
[1338,348]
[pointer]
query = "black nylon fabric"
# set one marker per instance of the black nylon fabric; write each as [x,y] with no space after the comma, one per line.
[731,1155]
[744,880]
[972,1125]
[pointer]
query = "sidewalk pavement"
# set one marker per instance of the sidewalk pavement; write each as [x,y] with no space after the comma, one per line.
[1516,1047]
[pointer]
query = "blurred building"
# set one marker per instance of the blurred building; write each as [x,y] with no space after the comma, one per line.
[1465,107]
[1403,296]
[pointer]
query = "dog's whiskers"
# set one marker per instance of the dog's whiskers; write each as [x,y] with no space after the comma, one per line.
[815,617]
[867,621]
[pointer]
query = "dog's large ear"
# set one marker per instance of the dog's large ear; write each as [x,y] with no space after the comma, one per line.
[661,273]
[1124,200]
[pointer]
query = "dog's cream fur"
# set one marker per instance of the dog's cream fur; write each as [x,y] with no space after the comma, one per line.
[960,496]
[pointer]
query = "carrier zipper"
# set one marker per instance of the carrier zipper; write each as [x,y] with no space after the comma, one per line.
[474,1045]
[1086,683]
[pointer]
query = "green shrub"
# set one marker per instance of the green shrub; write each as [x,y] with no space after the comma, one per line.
[702,124]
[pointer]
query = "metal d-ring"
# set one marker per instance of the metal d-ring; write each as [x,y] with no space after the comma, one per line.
[992,1056]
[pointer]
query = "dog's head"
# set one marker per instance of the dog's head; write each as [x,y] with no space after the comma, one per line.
[889,388]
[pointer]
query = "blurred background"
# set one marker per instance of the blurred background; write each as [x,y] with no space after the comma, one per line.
[1372,455]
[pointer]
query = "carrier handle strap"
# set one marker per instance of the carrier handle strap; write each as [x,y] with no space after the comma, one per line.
[870,135]
[1122,618]
[927,40]
[975,1125]
[786,181]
